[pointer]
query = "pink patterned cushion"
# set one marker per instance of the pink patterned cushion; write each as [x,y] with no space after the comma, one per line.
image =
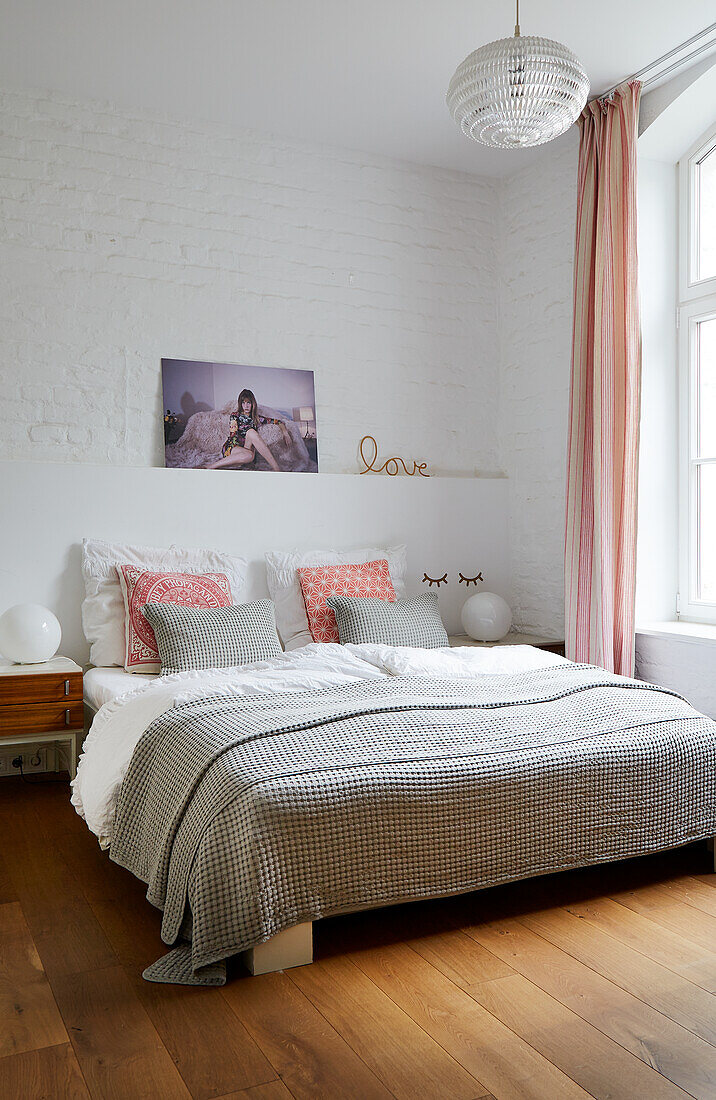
[317,582]
[140,586]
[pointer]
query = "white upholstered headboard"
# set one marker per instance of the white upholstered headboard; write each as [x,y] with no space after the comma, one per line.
[448,524]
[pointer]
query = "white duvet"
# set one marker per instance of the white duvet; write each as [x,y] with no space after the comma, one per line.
[119,724]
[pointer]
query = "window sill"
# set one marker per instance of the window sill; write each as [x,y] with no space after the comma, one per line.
[698,633]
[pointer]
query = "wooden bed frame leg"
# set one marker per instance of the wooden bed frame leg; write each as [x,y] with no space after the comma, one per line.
[712,846]
[292,947]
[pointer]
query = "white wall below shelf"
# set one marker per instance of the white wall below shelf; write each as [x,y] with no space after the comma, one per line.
[448,524]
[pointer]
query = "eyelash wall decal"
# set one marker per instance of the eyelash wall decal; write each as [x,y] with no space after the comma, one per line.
[470,580]
[435,580]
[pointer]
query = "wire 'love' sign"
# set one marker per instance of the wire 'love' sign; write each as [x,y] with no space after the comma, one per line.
[391,466]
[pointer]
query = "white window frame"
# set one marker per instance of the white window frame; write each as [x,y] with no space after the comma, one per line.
[690,286]
[697,302]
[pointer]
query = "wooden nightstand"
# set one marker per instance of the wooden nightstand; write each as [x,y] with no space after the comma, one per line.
[41,704]
[551,645]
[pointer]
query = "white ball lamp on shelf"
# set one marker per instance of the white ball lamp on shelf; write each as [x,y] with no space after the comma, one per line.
[29,634]
[486,617]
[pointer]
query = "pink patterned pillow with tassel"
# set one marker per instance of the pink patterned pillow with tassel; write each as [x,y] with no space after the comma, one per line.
[140,586]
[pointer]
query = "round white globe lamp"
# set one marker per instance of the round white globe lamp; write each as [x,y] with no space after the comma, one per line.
[486,617]
[29,634]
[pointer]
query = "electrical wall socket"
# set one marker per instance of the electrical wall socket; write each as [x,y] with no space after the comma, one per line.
[35,758]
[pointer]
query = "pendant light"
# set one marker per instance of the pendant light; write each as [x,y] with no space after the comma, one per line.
[518,91]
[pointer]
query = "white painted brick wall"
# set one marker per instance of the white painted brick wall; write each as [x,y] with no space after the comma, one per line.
[538,208]
[125,238]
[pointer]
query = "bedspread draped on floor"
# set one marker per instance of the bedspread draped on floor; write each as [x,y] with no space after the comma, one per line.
[247,816]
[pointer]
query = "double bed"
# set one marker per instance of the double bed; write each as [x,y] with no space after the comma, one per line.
[644,781]
[256,800]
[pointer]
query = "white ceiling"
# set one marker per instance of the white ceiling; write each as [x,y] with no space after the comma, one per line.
[369,75]
[682,122]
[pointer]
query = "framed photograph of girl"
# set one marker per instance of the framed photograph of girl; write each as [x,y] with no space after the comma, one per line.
[224,416]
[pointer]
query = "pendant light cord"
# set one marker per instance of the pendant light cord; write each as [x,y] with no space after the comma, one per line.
[517,19]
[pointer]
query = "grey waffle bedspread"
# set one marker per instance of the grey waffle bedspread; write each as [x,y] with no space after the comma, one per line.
[247,816]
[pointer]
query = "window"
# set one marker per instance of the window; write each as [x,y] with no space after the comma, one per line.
[705,184]
[697,368]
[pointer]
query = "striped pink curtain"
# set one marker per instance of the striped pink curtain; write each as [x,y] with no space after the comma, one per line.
[600,547]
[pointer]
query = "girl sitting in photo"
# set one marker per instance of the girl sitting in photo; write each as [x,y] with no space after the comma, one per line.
[244,440]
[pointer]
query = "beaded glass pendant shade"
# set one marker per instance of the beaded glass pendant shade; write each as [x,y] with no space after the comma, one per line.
[518,91]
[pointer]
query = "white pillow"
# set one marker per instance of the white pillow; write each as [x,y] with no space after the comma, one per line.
[103,606]
[285,589]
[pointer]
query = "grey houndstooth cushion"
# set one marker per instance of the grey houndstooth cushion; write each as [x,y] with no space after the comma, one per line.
[414,622]
[212,637]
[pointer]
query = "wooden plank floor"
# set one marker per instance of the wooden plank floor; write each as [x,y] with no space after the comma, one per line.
[592,983]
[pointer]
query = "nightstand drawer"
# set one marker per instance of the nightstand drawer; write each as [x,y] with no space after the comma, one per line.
[50,687]
[41,717]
